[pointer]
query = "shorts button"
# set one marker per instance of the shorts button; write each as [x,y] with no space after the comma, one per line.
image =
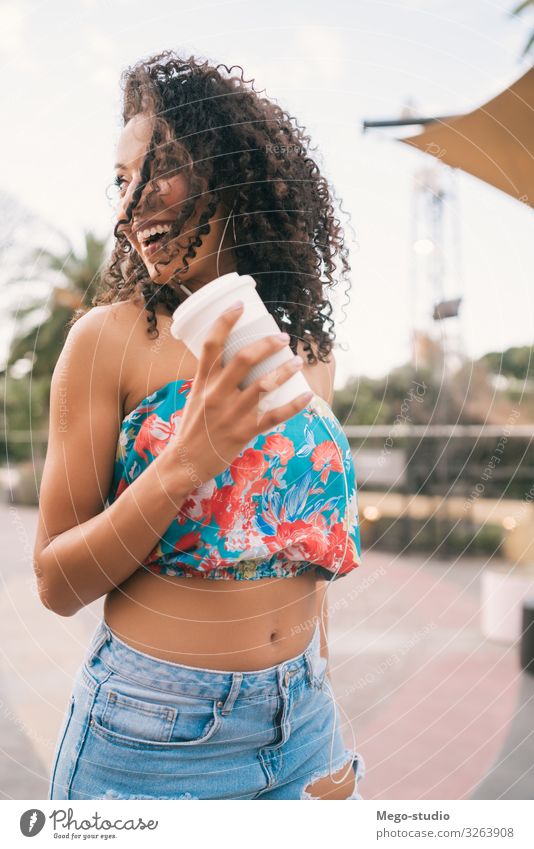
[286,678]
[220,703]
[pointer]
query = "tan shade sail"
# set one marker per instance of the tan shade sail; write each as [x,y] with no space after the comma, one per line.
[494,142]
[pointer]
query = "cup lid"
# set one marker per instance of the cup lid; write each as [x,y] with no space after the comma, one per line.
[210,292]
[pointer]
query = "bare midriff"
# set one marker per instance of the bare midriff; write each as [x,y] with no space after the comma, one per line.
[215,624]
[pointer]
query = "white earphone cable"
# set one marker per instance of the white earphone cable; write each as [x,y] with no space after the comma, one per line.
[315,404]
[182,285]
[223,235]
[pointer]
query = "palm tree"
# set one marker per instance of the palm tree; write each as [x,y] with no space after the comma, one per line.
[65,281]
[41,324]
[519,10]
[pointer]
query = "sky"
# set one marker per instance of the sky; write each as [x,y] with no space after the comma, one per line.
[332,65]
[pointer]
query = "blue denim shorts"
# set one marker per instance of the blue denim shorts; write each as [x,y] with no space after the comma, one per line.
[138,727]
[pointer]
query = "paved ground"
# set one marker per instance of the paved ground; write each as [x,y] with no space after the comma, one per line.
[430,699]
[512,774]
[437,711]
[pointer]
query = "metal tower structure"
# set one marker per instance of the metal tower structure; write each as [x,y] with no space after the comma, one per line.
[435,264]
[435,271]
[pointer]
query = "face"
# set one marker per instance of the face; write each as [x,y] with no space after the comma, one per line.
[131,148]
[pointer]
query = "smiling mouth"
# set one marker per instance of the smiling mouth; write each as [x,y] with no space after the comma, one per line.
[153,245]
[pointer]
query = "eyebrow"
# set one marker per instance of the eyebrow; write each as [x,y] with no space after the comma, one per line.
[120,165]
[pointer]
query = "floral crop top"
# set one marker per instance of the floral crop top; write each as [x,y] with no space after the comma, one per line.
[287,503]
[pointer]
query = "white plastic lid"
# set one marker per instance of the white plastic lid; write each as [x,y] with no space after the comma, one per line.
[228,285]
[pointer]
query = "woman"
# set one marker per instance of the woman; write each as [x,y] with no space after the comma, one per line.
[206,677]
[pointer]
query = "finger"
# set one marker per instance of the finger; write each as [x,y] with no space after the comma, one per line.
[210,360]
[250,355]
[272,380]
[274,417]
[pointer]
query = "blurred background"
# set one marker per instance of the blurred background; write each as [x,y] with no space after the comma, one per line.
[422,113]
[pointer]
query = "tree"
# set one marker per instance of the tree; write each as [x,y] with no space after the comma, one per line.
[41,324]
[64,282]
[515,362]
[525,6]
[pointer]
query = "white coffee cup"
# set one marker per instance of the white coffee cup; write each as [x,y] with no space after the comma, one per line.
[192,321]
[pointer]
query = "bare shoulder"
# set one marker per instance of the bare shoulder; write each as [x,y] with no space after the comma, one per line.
[105,330]
[321,374]
[107,319]
[130,318]
[101,320]
[93,351]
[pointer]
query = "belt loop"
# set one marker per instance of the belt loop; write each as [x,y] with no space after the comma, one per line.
[101,635]
[311,652]
[309,667]
[237,677]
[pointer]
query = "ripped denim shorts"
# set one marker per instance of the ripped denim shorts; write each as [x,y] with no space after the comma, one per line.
[138,727]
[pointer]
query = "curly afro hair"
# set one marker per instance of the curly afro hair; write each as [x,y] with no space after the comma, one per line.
[217,130]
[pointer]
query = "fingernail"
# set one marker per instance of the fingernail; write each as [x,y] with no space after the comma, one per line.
[235,306]
[284,337]
[306,397]
[296,362]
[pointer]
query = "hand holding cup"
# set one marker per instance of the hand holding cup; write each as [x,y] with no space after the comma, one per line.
[220,417]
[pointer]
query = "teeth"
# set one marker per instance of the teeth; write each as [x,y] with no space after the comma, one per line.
[151,231]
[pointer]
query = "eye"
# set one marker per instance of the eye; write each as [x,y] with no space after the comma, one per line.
[118,181]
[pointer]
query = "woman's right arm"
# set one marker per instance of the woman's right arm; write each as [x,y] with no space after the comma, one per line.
[82,550]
